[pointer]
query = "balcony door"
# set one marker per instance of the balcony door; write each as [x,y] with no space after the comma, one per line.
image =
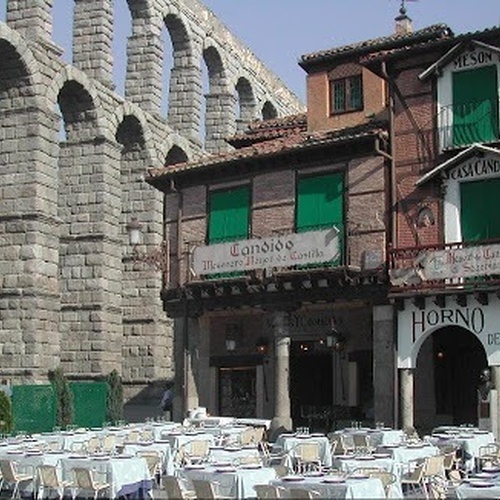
[475,106]
[479,210]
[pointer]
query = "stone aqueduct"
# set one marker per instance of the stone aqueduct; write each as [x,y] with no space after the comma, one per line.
[71,295]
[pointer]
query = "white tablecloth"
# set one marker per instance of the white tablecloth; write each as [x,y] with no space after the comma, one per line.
[288,443]
[236,484]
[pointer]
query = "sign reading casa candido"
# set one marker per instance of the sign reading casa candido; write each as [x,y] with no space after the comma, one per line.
[461,262]
[278,251]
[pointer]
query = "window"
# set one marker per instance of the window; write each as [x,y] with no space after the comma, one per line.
[479,209]
[475,106]
[346,94]
[320,205]
[229,217]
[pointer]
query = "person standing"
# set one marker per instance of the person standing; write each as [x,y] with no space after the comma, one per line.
[167,402]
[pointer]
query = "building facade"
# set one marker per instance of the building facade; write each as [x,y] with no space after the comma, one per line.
[74,293]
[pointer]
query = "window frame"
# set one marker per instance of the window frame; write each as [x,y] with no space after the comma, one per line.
[347,83]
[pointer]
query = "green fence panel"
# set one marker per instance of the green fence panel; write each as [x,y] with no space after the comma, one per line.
[33,408]
[89,401]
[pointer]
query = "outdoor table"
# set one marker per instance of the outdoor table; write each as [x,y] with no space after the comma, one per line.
[469,441]
[336,487]
[383,461]
[161,447]
[378,437]
[233,455]
[288,443]
[233,482]
[226,434]
[405,454]
[126,474]
[179,440]
[479,486]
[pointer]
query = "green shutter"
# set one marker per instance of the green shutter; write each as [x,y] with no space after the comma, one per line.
[339,96]
[229,215]
[475,106]
[478,210]
[356,92]
[320,204]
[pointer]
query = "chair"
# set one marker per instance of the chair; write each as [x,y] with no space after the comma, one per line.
[132,437]
[13,478]
[302,494]
[172,485]
[154,461]
[108,443]
[247,436]
[206,490]
[414,479]
[338,445]
[267,492]
[147,435]
[259,434]
[93,445]
[308,457]
[197,451]
[48,479]
[387,478]
[362,443]
[489,455]
[84,481]
[434,466]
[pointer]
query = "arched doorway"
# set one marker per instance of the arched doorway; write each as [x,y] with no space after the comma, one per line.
[449,364]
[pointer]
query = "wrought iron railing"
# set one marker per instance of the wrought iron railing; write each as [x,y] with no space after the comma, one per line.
[465,124]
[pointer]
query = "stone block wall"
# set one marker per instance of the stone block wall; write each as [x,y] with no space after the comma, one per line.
[73,292]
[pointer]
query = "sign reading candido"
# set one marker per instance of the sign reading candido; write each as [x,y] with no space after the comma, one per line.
[277,251]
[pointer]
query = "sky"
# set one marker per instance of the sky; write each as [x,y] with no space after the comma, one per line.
[279,31]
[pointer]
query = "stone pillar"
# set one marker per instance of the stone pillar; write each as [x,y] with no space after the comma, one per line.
[495,401]
[383,363]
[282,410]
[205,386]
[31,18]
[407,398]
[143,82]
[219,121]
[184,103]
[93,39]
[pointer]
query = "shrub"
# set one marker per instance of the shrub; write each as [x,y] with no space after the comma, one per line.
[6,420]
[64,398]
[114,402]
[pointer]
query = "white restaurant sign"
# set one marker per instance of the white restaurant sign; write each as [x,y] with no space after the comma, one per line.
[461,262]
[264,253]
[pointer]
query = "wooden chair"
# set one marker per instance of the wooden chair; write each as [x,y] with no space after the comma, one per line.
[197,451]
[49,480]
[206,490]
[85,482]
[302,494]
[147,435]
[172,485]
[413,480]
[93,445]
[108,444]
[387,478]
[267,492]
[338,445]
[489,455]
[308,457]
[132,437]
[247,436]
[13,478]
[362,443]
[154,461]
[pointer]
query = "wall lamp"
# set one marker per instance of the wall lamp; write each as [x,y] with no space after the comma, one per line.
[335,339]
[232,334]
[262,345]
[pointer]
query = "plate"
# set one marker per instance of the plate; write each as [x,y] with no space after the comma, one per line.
[382,455]
[491,468]
[292,478]
[194,467]
[101,458]
[317,434]
[232,448]
[336,480]
[483,475]
[314,473]
[251,466]
[481,484]
[359,476]
[76,457]
[226,469]
[124,455]
[481,432]
[367,457]
[303,436]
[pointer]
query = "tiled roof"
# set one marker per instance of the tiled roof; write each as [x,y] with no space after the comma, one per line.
[293,141]
[425,45]
[393,41]
[263,130]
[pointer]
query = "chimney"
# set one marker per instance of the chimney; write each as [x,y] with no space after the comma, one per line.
[403,22]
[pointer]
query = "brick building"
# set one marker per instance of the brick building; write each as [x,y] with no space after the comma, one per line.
[290,177]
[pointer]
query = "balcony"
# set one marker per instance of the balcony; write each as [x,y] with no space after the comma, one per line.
[465,124]
[463,265]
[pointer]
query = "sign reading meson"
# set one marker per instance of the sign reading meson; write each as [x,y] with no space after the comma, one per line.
[279,251]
